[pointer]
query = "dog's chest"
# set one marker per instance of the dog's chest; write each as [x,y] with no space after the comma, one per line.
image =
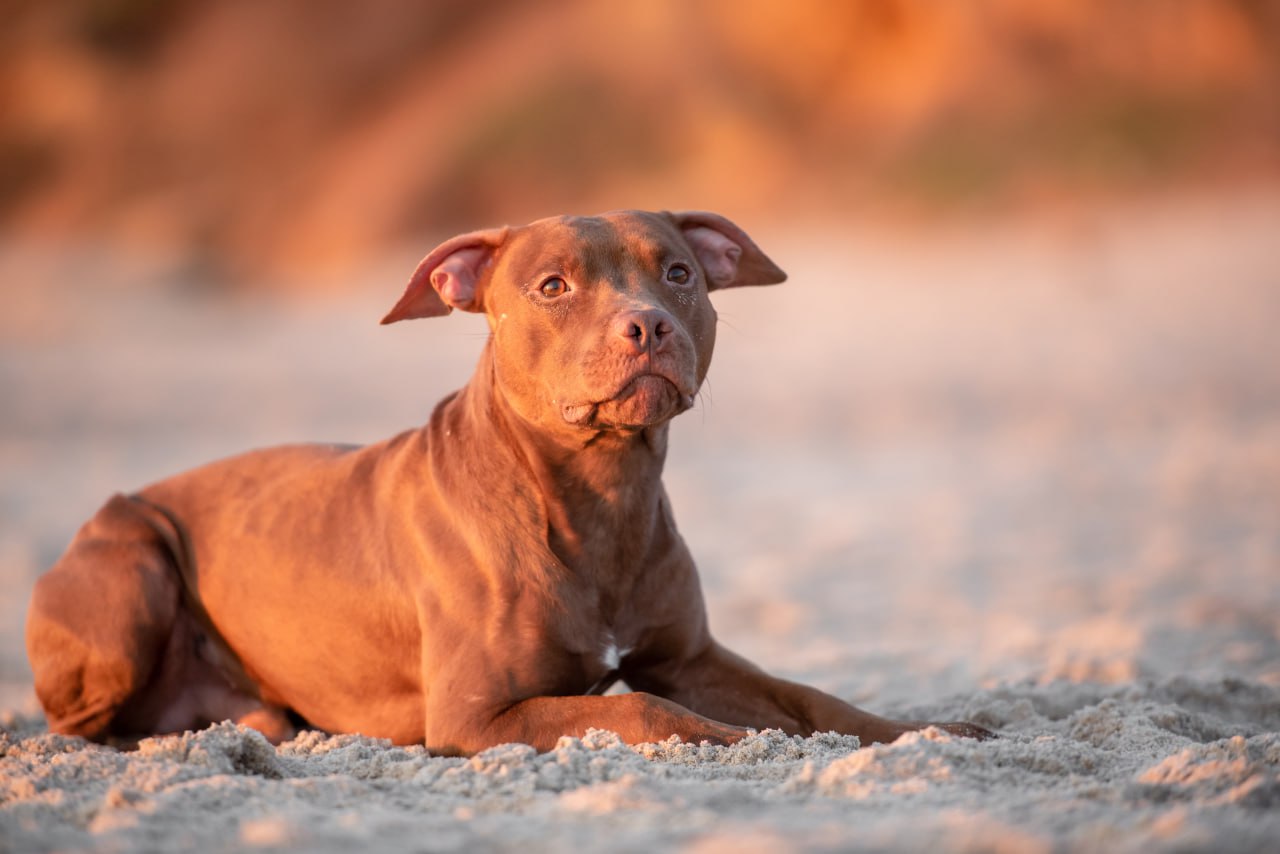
[609,656]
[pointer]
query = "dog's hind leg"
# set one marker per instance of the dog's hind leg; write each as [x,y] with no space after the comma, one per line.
[100,619]
[116,648]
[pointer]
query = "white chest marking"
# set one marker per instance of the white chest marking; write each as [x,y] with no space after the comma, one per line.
[611,656]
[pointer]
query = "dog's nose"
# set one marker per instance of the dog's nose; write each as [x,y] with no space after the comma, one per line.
[644,330]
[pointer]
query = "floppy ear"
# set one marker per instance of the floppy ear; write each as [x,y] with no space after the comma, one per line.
[725,251]
[449,277]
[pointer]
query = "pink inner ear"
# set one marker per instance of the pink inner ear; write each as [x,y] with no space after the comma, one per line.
[449,277]
[455,278]
[718,254]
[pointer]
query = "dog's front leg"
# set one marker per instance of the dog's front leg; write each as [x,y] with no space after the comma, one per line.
[541,721]
[724,686]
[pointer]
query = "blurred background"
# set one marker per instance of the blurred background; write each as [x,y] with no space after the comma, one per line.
[298,137]
[1015,415]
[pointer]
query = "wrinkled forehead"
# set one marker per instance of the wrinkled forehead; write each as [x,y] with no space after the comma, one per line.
[594,246]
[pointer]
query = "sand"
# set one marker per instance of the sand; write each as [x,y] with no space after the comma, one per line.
[1025,473]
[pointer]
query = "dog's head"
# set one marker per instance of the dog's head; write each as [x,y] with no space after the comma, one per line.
[598,323]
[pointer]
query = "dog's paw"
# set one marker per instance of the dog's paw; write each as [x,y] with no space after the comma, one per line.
[720,735]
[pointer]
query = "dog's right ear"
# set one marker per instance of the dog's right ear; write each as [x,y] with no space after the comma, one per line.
[729,257]
[449,277]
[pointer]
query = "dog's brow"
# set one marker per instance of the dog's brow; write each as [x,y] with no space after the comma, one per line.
[552,248]
[587,247]
[631,243]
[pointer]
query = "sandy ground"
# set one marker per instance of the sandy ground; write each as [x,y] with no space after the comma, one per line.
[1024,473]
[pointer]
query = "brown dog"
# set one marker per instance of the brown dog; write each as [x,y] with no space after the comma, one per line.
[481,580]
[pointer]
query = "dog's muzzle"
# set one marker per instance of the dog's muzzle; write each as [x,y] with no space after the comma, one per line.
[646,400]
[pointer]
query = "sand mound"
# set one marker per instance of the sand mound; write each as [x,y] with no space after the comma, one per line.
[1184,763]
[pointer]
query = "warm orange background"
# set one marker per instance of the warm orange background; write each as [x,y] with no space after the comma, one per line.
[289,140]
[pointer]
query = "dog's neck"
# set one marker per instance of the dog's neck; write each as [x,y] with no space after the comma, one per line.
[601,490]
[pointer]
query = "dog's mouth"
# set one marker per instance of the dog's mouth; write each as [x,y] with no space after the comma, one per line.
[645,400]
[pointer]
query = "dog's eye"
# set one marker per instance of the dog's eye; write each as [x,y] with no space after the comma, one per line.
[553,287]
[678,273]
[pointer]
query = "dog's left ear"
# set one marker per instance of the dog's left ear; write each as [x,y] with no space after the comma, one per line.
[729,256]
[449,277]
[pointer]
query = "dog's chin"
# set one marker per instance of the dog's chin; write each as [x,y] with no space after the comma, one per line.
[645,401]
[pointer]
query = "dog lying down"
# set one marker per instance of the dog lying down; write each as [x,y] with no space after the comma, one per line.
[482,579]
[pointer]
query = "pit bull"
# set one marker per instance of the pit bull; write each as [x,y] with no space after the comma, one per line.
[481,580]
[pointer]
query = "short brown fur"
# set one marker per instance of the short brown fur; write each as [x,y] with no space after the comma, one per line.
[480,580]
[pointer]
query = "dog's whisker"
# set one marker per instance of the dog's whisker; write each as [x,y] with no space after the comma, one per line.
[704,396]
[721,319]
